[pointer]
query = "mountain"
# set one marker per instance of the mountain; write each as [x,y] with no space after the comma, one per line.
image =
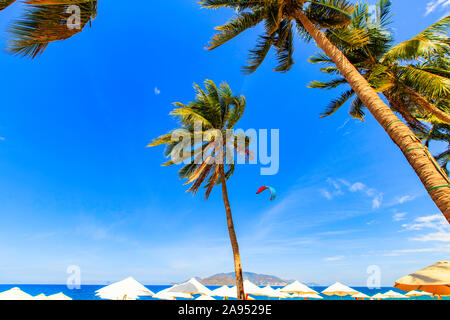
[228,279]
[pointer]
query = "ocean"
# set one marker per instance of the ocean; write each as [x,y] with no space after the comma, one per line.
[87,292]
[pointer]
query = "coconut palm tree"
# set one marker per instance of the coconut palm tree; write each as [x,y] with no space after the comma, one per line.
[309,17]
[208,120]
[417,91]
[410,89]
[46,21]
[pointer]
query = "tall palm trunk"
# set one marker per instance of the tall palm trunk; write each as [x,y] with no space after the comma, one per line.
[430,173]
[233,238]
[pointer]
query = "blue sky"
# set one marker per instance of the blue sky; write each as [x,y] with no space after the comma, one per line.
[78,186]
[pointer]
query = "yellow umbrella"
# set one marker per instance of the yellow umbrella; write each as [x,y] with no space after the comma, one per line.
[339,289]
[433,279]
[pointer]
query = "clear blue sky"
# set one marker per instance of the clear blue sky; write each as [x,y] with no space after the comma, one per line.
[78,186]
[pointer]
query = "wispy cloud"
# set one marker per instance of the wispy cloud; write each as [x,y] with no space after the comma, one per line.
[438,228]
[399,216]
[404,199]
[439,249]
[339,185]
[436,5]
[331,259]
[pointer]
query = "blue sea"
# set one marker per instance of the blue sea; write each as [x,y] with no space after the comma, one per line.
[87,292]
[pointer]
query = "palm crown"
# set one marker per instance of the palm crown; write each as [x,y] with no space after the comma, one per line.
[45,21]
[279,18]
[217,109]
[413,89]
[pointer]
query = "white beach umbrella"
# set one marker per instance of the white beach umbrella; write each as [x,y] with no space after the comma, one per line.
[417,293]
[308,296]
[298,288]
[165,295]
[205,298]
[339,289]
[128,289]
[59,296]
[360,295]
[251,288]
[268,291]
[225,292]
[191,287]
[15,294]
[394,295]
[283,295]
[379,296]
[41,297]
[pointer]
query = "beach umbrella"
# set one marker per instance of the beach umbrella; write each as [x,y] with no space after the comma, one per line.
[251,288]
[394,295]
[191,287]
[15,294]
[225,292]
[298,288]
[416,293]
[127,289]
[309,296]
[434,279]
[268,291]
[41,297]
[165,295]
[283,295]
[205,298]
[59,296]
[360,295]
[379,296]
[339,289]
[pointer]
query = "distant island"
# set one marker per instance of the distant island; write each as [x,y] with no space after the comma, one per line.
[229,279]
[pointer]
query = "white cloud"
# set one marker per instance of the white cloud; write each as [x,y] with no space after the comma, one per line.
[157,91]
[326,194]
[404,199]
[437,223]
[440,249]
[434,5]
[330,259]
[436,236]
[339,184]
[358,186]
[399,216]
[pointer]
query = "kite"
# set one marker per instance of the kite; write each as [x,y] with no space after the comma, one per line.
[272,191]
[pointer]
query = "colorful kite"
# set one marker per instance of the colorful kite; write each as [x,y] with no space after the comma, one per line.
[272,192]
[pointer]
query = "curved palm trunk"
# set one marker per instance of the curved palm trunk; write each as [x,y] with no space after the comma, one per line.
[430,173]
[233,238]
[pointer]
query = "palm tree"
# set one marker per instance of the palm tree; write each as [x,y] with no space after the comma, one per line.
[209,118]
[411,88]
[279,17]
[45,21]
[418,91]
